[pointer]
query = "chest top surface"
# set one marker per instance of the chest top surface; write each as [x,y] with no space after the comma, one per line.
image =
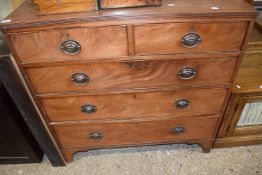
[25,15]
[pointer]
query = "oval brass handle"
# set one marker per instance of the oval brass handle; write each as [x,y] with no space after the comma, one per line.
[89,109]
[187,73]
[191,40]
[80,78]
[96,135]
[178,130]
[70,47]
[183,103]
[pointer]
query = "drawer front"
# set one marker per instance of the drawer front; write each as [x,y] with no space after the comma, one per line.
[167,38]
[136,105]
[126,75]
[71,44]
[105,134]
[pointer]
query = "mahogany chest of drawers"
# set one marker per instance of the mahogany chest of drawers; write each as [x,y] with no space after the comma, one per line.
[127,77]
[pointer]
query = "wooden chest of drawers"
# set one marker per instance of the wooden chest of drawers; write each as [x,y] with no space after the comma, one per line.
[131,77]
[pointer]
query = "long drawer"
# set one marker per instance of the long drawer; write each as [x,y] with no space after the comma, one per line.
[104,134]
[180,103]
[189,37]
[133,74]
[71,44]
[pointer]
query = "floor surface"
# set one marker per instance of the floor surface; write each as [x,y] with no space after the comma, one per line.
[152,160]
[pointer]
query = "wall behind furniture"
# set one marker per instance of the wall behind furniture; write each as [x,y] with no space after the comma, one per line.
[6,6]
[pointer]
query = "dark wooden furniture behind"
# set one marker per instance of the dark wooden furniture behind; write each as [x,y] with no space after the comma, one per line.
[242,124]
[18,116]
[129,77]
[17,144]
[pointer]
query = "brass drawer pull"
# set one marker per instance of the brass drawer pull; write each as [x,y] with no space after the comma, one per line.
[182,104]
[178,130]
[70,47]
[80,79]
[96,135]
[191,40]
[89,109]
[187,73]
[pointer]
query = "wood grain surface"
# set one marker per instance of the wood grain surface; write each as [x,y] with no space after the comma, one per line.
[134,132]
[135,105]
[249,76]
[108,4]
[131,74]
[246,89]
[109,41]
[166,38]
[201,8]
[47,7]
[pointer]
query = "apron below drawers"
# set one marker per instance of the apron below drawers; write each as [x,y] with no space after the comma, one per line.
[110,134]
[132,74]
[182,103]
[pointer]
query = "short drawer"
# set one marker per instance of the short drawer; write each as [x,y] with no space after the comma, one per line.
[135,105]
[104,134]
[189,37]
[71,44]
[126,75]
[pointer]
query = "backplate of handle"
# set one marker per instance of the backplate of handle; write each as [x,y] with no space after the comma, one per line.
[182,103]
[96,135]
[80,78]
[191,40]
[178,130]
[187,73]
[88,109]
[70,47]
